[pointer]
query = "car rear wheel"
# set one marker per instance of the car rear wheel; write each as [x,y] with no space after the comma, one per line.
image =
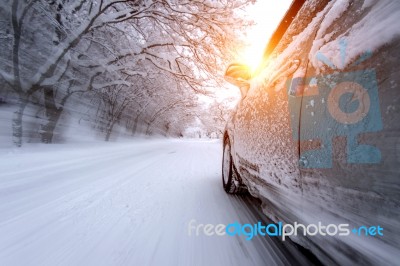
[230,177]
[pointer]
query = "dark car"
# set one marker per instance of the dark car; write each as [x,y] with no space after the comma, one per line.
[316,135]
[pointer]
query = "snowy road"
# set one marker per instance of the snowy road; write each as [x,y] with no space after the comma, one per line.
[124,204]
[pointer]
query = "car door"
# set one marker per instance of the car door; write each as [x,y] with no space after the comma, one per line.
[350,124]
[266,153]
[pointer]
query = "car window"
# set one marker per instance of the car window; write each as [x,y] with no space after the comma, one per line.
[292,48]
[308,12]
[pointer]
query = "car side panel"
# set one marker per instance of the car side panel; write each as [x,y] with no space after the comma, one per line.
[265,152]
[351,170]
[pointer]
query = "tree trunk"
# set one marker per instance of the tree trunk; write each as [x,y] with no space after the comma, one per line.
[109,130]
[52,114]
[17,121]
[135,123]
[47,130]
[148,129]
[115,118]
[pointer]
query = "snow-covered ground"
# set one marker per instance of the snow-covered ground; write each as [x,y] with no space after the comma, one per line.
[124,204]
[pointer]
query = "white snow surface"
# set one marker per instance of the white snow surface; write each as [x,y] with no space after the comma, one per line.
[121,204]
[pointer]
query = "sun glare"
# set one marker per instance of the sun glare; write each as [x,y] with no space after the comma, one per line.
[266,15]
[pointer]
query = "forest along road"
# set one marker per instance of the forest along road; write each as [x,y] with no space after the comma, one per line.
[125,204]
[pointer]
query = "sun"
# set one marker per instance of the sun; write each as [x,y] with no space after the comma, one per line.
[253,54]
[266,15]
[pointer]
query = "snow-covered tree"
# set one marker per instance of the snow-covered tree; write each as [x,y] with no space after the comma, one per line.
[55,49]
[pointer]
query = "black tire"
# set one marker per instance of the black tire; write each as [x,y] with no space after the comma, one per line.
[231,181]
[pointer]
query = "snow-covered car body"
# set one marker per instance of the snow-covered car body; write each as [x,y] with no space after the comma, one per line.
[311,155]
